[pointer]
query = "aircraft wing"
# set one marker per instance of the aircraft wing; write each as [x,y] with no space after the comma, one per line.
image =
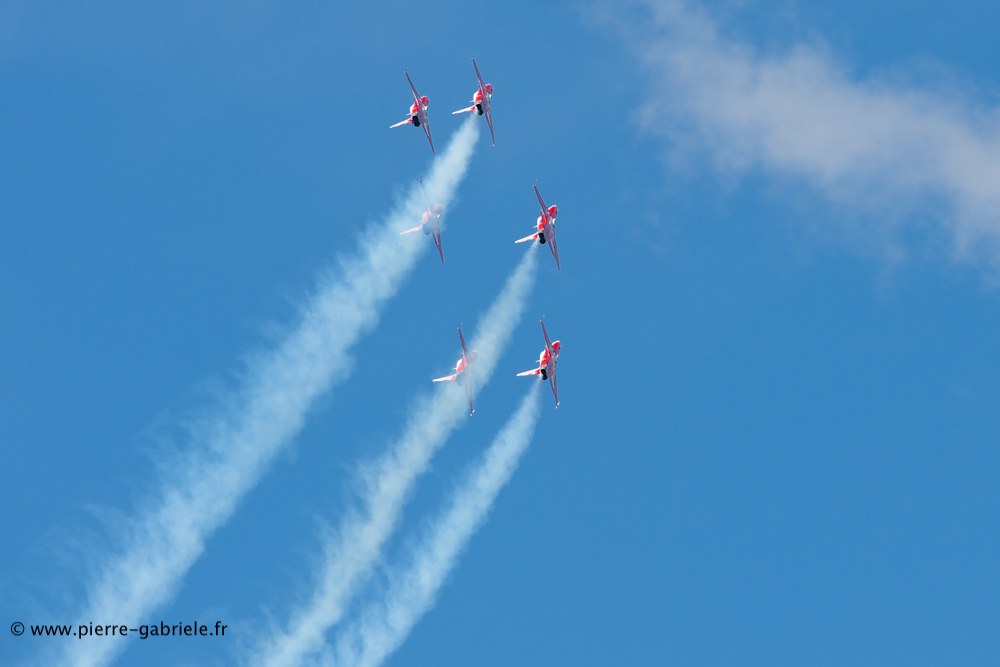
[533,371]
[437,242]
[418,228]
[554,384]
[402,122]
[465,110]
[465,350]
[548,343]
[553,247]
[416,95]
[489,121]
[545,209]
[468,394]
[482,86]
[446,378]
[530,237]
[427,131]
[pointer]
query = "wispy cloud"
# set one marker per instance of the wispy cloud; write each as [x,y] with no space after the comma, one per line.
[384,624]
[351,553]
[228,453]
[873,143]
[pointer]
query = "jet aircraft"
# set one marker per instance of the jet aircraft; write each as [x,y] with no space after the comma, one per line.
[418,112]
[430,223]
[463,372]
[481,101]
[545,227]
[547,361]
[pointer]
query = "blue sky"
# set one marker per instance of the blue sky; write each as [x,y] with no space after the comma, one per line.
[778,303]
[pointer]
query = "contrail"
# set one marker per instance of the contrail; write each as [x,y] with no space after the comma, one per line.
[350,554]
[383,626]
[229,453]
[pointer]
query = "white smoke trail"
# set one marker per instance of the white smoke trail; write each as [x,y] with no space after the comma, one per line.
[383,626]
[351,554]
[229,453]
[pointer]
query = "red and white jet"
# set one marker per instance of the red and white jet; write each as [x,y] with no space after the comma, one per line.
[463,371]
[430,223]
[481,100]
[418,112]
[547,361]
[545,227]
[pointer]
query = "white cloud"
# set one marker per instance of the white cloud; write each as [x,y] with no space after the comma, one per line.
[874,144]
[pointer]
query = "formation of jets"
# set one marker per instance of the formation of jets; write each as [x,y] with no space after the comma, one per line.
[430,224]
[481,100]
